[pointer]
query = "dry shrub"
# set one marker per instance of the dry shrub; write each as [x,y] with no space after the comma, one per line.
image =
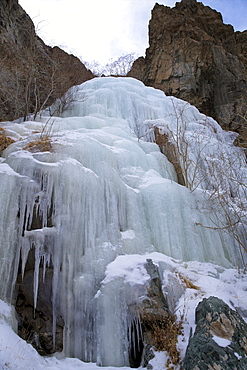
[163,334]
[42,144]
[188,283]
[5,141]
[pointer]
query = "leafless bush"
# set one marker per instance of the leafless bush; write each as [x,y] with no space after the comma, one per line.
[220,174]
[212,166]
[64,103]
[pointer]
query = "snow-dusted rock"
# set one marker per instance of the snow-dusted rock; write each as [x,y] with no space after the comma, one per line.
[220,338]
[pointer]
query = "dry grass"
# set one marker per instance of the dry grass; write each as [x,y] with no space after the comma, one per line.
[5,141]
[42,144]
[188,283]
[163,333]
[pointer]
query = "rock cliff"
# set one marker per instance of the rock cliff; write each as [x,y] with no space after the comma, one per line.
[194,56]
[32,74]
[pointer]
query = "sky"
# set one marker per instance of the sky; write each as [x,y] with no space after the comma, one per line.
[101,30]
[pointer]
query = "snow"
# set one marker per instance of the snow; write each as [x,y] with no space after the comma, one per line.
[222,342]
[237,355]
[159,360]
[113,201]
[130,270]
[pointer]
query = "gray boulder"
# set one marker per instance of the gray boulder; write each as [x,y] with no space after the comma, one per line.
[220,338]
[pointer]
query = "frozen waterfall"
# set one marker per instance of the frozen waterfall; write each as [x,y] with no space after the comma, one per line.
[106,193]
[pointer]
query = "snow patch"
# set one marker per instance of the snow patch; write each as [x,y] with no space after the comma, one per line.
[222,342]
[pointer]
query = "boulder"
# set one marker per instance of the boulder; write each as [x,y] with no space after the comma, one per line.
[220,338]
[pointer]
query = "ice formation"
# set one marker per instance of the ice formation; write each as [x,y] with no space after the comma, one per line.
[106,193]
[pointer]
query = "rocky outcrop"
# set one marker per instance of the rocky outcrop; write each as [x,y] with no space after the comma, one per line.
[220,338]
[169,149]
[32,74]
[158,327]
[194,56]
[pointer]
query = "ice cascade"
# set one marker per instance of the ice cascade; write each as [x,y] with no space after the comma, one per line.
[105,192]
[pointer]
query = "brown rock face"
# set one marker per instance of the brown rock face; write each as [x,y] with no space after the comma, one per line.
[32,74]
[194,56]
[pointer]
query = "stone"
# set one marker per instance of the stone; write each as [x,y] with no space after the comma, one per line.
[216,322]
[194,56]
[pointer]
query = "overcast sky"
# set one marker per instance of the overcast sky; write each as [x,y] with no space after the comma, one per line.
[106,29]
